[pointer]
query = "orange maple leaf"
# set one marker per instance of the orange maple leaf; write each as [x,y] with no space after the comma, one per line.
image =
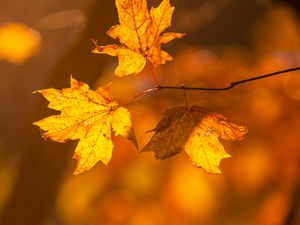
[89,116]
[140,35]
[196,132]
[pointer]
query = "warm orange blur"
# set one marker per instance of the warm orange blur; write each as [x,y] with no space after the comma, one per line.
[18,42]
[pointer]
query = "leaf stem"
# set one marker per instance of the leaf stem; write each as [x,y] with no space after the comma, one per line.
[185,97]
[232,84]
[153,73]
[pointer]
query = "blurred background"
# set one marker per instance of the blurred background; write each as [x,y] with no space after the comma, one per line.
[42,42]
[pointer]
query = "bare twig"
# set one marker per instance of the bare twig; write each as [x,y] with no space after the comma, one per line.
[231,85]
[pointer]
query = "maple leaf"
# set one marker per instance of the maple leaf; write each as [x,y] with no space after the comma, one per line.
[89,116]
[196,132]
[140,35]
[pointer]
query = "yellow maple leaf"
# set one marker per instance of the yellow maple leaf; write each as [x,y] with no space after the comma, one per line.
[89,116]
[140,35]
[196,132]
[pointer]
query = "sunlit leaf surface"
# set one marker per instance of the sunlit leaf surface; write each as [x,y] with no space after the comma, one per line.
[89,116]
[140,35]
[196,132]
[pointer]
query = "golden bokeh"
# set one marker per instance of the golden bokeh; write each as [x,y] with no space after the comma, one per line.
[18,42]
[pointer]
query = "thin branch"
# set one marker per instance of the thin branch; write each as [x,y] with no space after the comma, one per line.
[231,85]
[140,94]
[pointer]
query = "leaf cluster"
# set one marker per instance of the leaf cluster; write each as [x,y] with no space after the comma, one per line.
[92,117]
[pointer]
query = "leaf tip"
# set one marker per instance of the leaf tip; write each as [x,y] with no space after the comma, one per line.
[244,131]
[132,138]
[77,172]
[97,49]
[37,91]
[36,123]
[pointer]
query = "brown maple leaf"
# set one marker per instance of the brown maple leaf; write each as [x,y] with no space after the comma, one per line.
[140,35]
[89,116]
[196,132]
